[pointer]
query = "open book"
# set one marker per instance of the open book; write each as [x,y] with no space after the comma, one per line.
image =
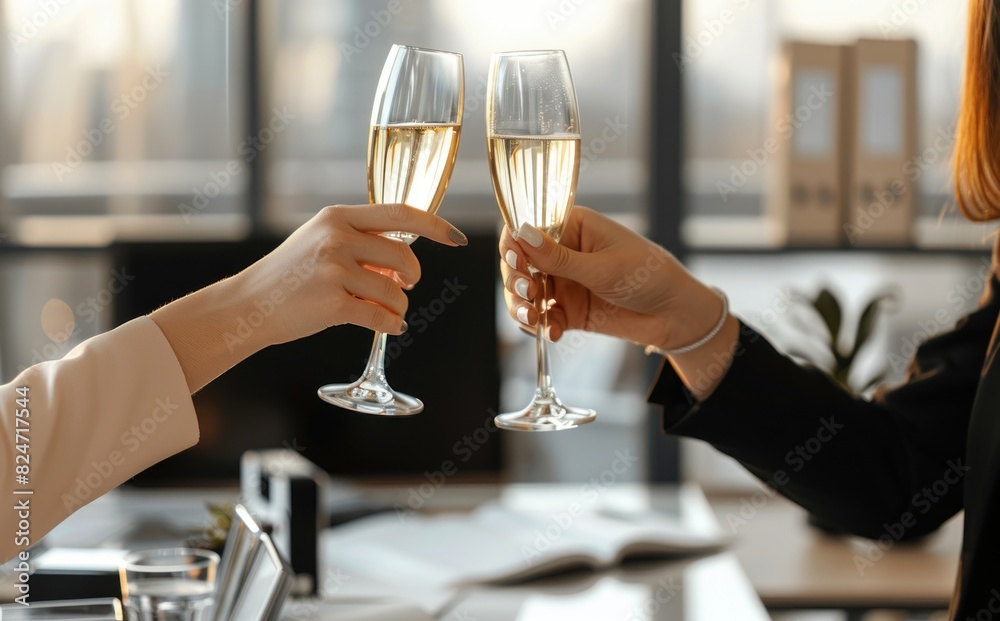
[532,532]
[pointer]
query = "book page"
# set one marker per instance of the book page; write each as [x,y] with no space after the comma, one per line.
[497,543]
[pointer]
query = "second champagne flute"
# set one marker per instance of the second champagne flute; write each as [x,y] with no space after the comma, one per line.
[416,123]
[533,137]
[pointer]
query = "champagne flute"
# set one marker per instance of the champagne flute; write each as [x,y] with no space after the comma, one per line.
[416,123]
[533,138]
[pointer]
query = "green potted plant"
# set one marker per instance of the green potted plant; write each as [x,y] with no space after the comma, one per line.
[840,363]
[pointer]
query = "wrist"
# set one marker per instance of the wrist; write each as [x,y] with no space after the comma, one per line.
[245,312]
[697,312]
[212,329]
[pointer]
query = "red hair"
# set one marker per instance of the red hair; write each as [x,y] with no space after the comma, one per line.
[977,141]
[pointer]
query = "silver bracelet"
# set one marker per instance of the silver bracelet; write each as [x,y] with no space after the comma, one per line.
[652,349]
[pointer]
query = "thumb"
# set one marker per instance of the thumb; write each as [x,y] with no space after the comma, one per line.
[546,255]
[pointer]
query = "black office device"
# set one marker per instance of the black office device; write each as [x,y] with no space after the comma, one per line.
[269,400]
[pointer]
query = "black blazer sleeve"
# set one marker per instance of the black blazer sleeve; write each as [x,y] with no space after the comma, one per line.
[857,465]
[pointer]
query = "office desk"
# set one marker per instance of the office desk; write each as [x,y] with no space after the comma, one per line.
[703,589]
[793,565]
[708,587]
[788,563]
[695,589]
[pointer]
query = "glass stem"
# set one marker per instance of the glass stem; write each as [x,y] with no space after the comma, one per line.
[541,305]
[375,370]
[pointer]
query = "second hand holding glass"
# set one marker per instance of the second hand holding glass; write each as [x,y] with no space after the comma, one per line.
[533,132]
[416,124]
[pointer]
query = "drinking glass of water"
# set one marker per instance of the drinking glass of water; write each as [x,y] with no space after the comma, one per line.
[174,584]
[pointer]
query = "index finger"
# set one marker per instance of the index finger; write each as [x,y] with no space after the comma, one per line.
[382,218]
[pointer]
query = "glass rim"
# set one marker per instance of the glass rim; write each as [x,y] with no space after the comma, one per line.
[531,53]
[426,50]
[203,559]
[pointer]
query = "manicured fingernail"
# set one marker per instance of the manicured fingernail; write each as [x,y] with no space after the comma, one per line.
[405,327]
[511,258]
[547,333]
[522,314]
[458,237]
[530,235]
[521,287]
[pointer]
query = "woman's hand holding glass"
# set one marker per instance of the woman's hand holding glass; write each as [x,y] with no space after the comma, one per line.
[341,250]
[326,273]
[606,278]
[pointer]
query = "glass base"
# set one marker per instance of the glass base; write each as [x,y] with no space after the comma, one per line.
[370,397]
[545,415]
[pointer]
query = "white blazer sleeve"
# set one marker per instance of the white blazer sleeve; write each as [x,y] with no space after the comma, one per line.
[115,405]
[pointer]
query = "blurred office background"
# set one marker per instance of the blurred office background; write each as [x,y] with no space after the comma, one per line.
[180,139]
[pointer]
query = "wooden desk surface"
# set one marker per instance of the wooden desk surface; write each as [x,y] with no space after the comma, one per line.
[791,564]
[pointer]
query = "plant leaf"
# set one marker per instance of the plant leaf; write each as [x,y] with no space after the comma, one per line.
[829,309]
[801,355]
[878,379]
[840,361]
[867,323]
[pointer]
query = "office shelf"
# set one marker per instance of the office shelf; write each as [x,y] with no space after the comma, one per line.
[756,235]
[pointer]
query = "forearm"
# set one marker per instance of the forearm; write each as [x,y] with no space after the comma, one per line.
[213,329]
[77,427]
[857,464]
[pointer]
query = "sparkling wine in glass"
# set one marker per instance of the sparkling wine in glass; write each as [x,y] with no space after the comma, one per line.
[533,144]
[415,128]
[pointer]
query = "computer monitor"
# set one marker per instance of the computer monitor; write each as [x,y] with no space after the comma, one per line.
[269,400]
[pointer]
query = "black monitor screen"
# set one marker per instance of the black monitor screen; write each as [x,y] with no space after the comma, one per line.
[269,401]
